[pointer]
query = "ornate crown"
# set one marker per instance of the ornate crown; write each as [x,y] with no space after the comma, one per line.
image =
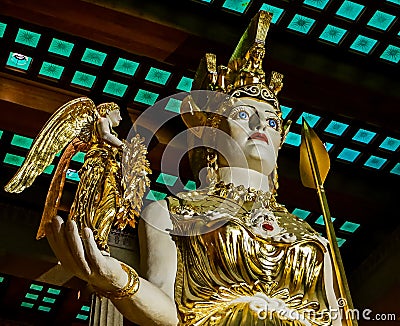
[244,75]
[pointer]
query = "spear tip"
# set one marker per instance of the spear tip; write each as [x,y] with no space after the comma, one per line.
[314,159]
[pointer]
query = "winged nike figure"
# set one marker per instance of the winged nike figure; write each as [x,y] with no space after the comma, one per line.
[113,177]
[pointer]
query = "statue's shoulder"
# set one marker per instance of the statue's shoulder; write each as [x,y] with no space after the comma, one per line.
[155,211]
[183,199]
[295,224]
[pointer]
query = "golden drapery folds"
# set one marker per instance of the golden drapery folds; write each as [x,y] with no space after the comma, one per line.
[230,275]
[99,192]
[109,194]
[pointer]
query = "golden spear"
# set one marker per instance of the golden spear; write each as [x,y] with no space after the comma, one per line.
[314,167]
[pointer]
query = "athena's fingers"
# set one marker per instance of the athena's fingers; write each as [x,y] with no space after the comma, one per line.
[94,256]
[107,272]
[52,231]
[76,247]
[57,241]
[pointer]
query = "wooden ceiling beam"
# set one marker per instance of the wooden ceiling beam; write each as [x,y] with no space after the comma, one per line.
[100,24]
[26,114]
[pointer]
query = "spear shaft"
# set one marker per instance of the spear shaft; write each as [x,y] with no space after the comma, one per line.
[311,156]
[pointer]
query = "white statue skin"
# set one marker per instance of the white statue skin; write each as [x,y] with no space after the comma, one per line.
[103,125]
[154,304]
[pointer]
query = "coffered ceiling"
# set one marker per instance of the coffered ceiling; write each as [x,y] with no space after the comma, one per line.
[340,59]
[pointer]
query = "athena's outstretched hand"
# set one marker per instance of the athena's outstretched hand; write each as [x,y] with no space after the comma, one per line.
[82,257]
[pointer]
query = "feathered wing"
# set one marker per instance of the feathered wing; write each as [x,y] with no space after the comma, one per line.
[73,119]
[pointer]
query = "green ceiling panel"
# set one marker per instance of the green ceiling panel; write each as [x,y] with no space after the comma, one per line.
[167,179]
[303,214]
[301,24]
[31,296]
[53,291]
[348,154]
[392,53]
[275,11]
[236,5]
[285,111]
[82,317]
[364,136]
[381,20]
[85,308]
[22,141]
[51,70]
[49,169]
[158,76]
[390,144]
[396,169]
[49,300]
[375,162]
[27,304]
[397,2]
[126,66]
[185,84]
[340,241]
[173,105]
[293,139]
[320,220]
[19,61]
[146,97]
[3,27]
[115,88]
[44,308]
[328,146]
[36,287]
[336,128]
[79,157]
[333,34]
[27,37]
[82,79]
[61,47]
[72,175]
[190,185]
[94,57]
[320,4]
[311,119]
[350,10]
[363,44]
[155,195]
[349,226]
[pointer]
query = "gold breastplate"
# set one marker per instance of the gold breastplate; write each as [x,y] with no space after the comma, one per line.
[232,271]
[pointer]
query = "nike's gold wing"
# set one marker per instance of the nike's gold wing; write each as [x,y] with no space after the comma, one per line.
[73,119]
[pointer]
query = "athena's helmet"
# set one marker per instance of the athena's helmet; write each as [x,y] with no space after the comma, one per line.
[242,77]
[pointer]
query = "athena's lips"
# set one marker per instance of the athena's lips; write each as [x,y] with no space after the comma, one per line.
[259,136]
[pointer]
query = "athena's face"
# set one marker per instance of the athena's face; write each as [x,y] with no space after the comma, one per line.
[255,129]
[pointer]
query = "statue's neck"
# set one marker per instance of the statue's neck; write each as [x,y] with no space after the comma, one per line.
[246,177]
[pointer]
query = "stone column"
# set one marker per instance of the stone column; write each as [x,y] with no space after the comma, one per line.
[104,313]
[124,247]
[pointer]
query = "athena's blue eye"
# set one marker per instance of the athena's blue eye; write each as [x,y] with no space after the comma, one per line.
[272,123]
[243,115]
